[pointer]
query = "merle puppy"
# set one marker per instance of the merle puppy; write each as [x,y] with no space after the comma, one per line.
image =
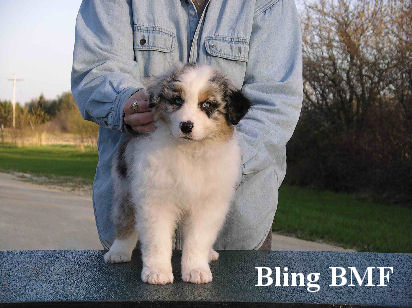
[184,172]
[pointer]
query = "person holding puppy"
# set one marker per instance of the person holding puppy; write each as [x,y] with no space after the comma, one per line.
[256,44]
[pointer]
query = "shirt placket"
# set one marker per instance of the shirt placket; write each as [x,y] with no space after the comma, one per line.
[197,24]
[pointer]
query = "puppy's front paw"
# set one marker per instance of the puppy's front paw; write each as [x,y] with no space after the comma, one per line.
[117,256]
[197,275]
[157,275]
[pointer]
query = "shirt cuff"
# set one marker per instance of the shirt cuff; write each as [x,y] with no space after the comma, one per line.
[121,98]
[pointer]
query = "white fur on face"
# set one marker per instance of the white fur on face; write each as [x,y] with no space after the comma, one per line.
[192,83]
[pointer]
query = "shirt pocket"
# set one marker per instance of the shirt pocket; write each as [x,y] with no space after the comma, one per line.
[229,55]
[154,49]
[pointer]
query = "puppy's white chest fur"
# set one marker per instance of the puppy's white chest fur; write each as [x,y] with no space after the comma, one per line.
[185,173]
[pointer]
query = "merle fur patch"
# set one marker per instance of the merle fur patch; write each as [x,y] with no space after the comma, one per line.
[121,162]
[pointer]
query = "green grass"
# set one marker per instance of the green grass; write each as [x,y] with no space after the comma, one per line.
[314,215]
[55,160]
[343,219]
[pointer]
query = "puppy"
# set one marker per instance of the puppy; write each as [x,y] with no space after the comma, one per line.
[184,172]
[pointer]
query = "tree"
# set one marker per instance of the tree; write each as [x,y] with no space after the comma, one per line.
[353,56]
[355,131]
[6,114]
[401,78]
[70,120]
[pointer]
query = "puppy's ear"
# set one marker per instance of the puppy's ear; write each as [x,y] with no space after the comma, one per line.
[236,107]
[157,86]
[153,100]
[153,90]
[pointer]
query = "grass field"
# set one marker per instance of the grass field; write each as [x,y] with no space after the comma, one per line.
[55,160]
[342,219]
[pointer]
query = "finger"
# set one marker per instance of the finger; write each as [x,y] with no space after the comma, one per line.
[142,106]
[145,129]
[140,95]
[142,102]
[137,119]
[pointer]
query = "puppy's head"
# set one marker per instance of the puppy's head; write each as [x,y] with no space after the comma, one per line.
[198,103]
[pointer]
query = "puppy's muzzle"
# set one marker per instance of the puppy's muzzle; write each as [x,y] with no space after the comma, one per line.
[186,127]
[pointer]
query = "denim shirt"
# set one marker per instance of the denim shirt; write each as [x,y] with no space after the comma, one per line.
[256,43]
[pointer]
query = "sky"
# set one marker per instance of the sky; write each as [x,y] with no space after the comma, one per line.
[36,44]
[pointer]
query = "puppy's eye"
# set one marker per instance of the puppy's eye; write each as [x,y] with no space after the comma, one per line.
[205,105]
[208,107]
[178,101]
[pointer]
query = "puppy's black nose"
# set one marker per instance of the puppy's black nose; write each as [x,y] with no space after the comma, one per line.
[186,127]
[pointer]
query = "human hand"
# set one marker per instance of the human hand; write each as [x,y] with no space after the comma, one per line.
[137,113]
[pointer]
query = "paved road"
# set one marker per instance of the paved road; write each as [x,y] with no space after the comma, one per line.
[37,217]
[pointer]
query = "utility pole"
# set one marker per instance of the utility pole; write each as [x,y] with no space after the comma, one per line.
[14,79]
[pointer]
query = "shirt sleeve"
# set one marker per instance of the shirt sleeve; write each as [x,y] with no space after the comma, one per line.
[273,82]
[104,72]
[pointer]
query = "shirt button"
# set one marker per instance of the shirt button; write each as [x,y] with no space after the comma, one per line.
[142,42]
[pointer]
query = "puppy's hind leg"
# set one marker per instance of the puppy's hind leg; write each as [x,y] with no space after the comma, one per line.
[121,249]
[123,211]
[213,255]
[126,235]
